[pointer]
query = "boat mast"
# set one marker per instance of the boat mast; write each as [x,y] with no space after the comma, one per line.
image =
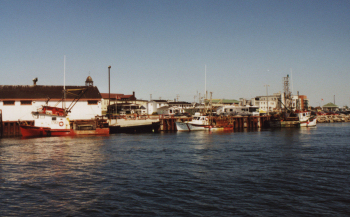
[205,88]
[64,83]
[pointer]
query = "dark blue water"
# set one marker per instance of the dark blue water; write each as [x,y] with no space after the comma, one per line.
[283,172]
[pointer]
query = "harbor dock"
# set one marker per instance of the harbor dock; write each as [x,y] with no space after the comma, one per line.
[167,123]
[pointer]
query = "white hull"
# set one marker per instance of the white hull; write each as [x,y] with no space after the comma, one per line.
[305,120]
[308,123]
[183,126]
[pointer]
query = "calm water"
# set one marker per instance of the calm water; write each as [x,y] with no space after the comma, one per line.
[284,172]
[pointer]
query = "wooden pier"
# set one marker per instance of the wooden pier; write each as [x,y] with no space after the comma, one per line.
[239,122]
[10,129]
[1,123]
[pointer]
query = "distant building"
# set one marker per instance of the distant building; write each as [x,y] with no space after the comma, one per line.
[268,103]
[330,107]
[300,102]
[117,98]
[153,105]
[221,102]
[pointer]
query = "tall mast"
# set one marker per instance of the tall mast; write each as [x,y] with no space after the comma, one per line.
[64,83]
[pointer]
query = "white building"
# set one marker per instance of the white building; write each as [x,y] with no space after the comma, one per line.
[268,103]
[18,102]
[154,105]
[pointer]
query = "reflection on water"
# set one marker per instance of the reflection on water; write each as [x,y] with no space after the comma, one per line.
[287,172]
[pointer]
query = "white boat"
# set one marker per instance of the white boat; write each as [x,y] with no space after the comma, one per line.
[197,123]
[305,119]
[203,122]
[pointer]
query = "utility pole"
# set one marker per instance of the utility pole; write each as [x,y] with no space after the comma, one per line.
[267,97]
[109,93]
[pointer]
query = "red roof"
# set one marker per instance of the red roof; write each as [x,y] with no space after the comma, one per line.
[126,96]
[117,96]
[113,95]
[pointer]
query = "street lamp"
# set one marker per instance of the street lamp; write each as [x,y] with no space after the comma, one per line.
[267,97]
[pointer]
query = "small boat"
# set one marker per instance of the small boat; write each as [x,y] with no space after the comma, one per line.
[203,122]
[305,119]
[197,123]
[54,121]
[294,119]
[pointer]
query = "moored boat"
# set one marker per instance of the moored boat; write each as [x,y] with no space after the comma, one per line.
[203,122]
[306,119]
[53,121]
[294,119]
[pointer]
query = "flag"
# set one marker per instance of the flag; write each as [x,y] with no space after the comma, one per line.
[322,99]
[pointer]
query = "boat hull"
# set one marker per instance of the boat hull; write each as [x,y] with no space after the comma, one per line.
[291,124]
[308,123]
[183,126]
[32,131]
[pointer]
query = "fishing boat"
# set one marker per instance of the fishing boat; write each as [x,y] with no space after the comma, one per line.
[292,116]
[197,123]
[204,122]
[294,119]
[306,119]
[54,121]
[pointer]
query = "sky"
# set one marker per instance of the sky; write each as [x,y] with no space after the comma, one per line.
[165,48]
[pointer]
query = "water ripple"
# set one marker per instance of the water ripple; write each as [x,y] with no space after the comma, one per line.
[281,172]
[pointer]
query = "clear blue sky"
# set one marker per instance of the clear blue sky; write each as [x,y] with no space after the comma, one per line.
[162,47]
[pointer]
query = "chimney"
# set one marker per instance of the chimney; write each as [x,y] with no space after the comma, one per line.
[34,81]
[133,93]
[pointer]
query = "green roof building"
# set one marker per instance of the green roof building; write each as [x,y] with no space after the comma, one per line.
[330,107]
[224,101]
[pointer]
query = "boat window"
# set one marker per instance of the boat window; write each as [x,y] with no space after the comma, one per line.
[53,118]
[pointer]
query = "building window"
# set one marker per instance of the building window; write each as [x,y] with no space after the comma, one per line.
[9,102]
[26,102]
[92,102]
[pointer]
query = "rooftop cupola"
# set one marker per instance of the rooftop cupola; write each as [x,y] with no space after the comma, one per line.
[89,81]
